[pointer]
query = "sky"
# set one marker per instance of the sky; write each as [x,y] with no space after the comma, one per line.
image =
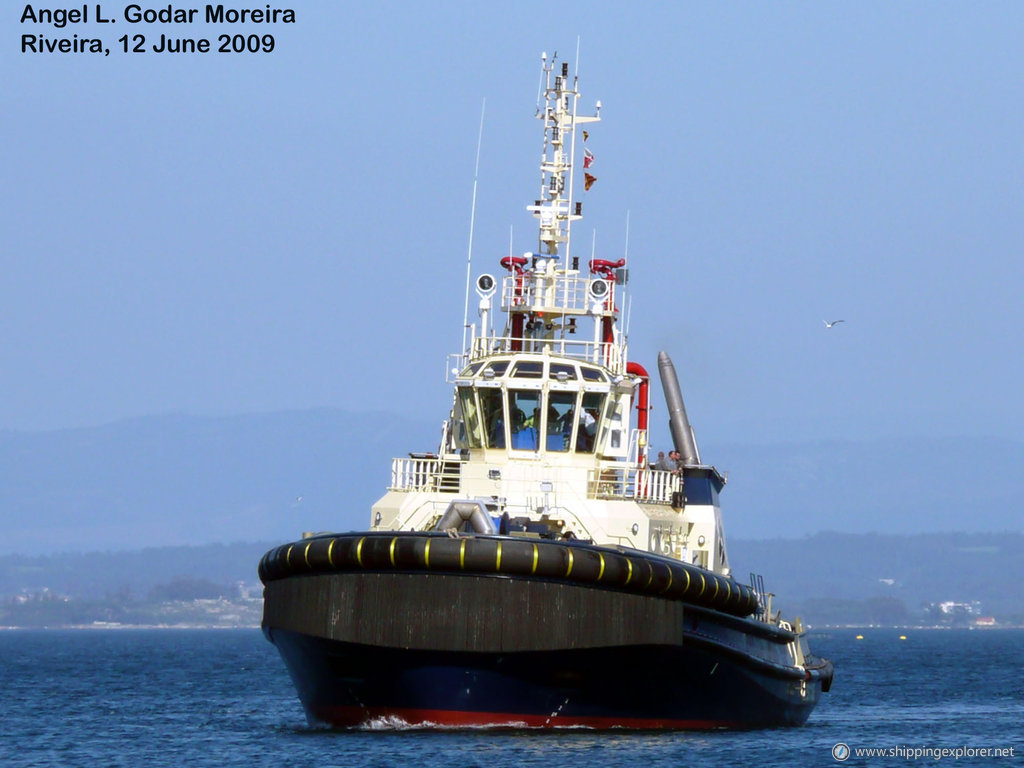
[232,233]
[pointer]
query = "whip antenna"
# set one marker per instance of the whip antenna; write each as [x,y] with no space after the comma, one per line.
[472,221]
[540,84]
[625,256]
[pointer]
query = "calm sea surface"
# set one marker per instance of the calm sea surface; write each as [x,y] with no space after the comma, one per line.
[222,698]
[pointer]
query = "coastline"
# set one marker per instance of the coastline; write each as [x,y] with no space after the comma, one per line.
[813,630]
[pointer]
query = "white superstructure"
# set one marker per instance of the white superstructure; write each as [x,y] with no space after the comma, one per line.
[548,427]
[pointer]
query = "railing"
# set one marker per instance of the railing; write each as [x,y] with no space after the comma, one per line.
[608,354]
[557,292]
[656,485]
[423,474]
[651,485]
[414,474]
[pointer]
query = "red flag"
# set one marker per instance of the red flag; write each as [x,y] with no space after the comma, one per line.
[588,181]
[588,158]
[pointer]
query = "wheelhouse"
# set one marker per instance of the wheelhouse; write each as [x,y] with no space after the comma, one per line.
[536,405]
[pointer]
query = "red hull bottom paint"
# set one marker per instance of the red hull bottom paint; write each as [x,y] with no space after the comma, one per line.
[349,717]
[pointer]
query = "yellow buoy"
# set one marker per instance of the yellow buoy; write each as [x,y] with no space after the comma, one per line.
[860,637]
[903,637]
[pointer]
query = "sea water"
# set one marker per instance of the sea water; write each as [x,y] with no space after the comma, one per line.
[197,698]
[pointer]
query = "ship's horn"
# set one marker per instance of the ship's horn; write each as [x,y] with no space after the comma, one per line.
[682,432]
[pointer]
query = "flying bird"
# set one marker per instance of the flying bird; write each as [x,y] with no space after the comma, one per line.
[829,325]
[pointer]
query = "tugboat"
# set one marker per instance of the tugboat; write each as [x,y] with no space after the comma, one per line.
[537,570]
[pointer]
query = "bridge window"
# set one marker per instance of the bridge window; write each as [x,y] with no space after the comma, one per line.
[569,421]
[493,417]
[497,368]
[562,372]
[561,410]
[524,418]
[467,420]
[589,421]
[528,369]
[593,374]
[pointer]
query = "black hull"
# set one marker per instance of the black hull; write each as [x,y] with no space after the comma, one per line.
[643,687]
[395,644]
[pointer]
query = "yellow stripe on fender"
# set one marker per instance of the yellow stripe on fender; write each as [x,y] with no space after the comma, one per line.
[669,585]
[462,555]
[330,553]
[359,552]
[497,561]
[392,551]
[426,554]
[288,556]
[600,572]
[305,555]
[629,571]
[536,556]
[569,569]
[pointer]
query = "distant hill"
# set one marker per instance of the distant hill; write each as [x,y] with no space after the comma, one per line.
[926,568]
[178,480]
[134,573]
[896,486]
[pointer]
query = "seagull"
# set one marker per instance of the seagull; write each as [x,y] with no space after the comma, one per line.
[829,325]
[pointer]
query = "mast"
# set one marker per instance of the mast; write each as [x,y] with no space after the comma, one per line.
[555,209]
[545,293]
